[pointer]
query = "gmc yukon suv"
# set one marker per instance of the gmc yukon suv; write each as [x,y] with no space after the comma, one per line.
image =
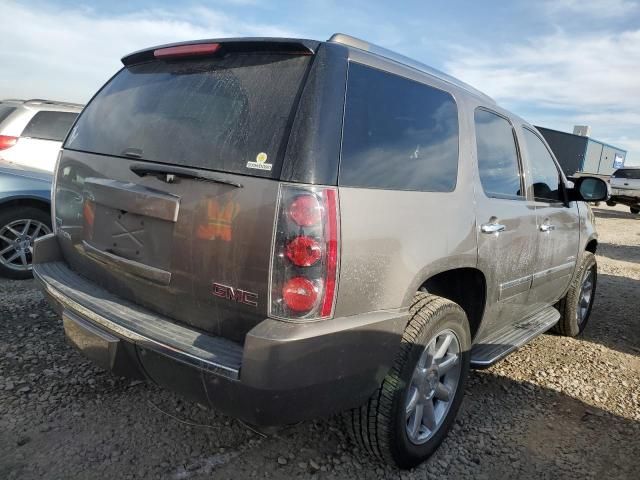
[285,229]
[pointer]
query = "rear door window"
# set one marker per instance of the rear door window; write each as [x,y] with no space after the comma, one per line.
[398,134]
[229,114]
[497,156]
[630,173]
[49,125]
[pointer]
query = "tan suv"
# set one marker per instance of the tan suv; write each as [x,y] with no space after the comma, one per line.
[286,229]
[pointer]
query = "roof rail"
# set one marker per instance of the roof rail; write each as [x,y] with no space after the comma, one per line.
[36,101]
[396,57]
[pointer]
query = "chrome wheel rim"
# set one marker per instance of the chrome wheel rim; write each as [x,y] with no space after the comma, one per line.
[16,242]
[586,294]
[433,387]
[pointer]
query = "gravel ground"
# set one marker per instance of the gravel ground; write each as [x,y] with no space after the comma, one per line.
[557,408]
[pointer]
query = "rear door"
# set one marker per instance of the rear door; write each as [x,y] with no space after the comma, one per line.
[558,224]
[167,186]
[507,230]
[41,139]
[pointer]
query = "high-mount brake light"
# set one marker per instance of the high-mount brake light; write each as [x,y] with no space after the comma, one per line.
[196,50]
[7,141]
[305,253]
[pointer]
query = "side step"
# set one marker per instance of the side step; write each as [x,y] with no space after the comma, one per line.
[506,340]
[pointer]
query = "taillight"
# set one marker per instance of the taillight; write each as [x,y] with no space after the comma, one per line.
[6,141]
[305,253]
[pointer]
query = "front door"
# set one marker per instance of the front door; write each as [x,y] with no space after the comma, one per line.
[558,224]
[506,221]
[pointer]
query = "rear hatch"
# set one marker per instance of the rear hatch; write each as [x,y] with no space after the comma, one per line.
[627,179]
[167,185]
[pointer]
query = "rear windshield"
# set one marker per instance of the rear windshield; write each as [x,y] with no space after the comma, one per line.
[633,173]
[49,125]
[229,114]
[5,111]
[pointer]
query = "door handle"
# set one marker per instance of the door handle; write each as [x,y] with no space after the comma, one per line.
[492,227]
[547,227]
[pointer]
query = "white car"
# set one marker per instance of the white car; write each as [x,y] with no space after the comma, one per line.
[625,188]
[32,131]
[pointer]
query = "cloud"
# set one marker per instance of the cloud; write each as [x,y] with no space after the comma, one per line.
[74,51]
[593,8]
[586,79]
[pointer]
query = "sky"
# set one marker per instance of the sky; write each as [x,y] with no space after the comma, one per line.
[557,63]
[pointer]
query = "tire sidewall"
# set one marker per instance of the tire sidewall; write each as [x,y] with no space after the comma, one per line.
[407,454]
[573,300]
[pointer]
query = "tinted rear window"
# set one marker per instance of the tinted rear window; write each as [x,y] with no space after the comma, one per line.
[49,125]
[398,134]
[229,114]
[5,111]
[632,173]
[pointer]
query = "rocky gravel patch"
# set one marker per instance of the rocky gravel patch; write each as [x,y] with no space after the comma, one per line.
[556,408]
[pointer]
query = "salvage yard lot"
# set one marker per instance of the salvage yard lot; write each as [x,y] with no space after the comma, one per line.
[557,408]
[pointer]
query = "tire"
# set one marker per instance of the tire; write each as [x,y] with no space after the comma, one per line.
[634,210]
[572,319]
[14,220]
[611,203]
[380,427]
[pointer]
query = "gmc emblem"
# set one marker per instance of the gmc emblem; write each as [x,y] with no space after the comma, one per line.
[235,294]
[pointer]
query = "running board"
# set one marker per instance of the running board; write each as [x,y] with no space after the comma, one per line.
[506,340]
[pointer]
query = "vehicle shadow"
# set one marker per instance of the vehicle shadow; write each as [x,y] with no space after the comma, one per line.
[615,319]
[610,213]
[625,253]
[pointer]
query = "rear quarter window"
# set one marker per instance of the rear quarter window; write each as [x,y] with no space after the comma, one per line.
[5,111]
[49,125]
[229,114]
[398,134]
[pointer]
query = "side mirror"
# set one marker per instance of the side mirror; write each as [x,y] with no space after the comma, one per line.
[589,189]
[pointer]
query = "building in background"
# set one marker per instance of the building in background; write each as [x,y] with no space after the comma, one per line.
[579,154]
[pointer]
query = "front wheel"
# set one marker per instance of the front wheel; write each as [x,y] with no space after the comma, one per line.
[408,417]
[634,210]
[575,307]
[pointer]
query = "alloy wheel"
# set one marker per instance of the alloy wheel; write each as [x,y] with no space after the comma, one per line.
[16,242]
[433,386]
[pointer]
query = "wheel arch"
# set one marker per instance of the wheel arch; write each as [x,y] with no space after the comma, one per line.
[466,286]
[26,201]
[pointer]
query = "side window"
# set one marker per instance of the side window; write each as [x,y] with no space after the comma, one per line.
[398,134]
[544,173]
[497,156]
[49,125]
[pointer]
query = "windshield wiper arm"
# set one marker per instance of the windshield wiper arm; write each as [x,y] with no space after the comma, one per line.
[167,173]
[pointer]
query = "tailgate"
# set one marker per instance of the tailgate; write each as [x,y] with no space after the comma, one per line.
[167,185]
[171,247]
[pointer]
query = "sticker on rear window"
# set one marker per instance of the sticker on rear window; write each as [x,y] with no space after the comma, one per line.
[260,163]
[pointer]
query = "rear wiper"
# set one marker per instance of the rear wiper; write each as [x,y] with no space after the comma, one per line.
[168,173]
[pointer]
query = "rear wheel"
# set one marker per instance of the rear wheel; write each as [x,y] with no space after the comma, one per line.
[407,418]
[575,307]
[19,227]
[611,203]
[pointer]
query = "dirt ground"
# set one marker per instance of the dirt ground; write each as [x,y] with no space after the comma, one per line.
[556,408]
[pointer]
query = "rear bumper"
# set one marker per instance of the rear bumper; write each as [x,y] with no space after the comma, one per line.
[283,373]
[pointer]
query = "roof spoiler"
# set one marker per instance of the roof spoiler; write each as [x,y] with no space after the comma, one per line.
[225,45]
